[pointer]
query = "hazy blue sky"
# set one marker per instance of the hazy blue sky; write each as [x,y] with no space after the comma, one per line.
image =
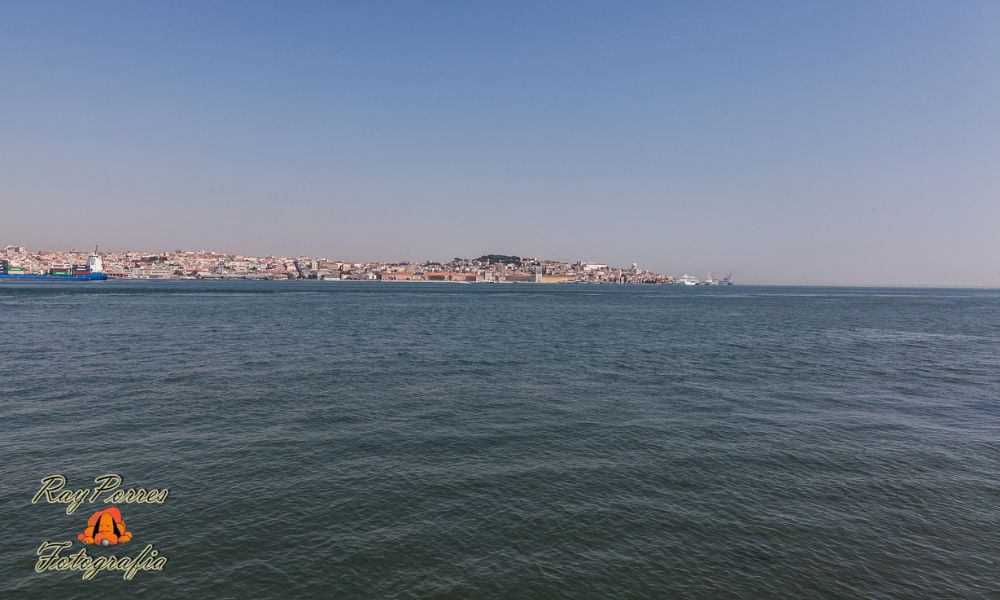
[837,142]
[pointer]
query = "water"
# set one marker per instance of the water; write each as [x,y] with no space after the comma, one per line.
[436,440]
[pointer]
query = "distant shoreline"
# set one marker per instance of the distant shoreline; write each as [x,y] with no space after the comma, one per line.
[742,286]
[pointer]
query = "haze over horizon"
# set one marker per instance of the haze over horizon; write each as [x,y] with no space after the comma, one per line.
[840,143]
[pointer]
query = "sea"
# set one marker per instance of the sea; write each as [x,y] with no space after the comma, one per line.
[407,440]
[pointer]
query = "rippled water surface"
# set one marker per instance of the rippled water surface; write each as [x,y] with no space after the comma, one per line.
[437,440]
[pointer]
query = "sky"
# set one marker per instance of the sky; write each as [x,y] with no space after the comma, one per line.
[837,142]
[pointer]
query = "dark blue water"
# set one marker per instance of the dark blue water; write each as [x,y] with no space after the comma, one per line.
[435,440]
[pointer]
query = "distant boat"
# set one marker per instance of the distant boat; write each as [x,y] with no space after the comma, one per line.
[54,276]
[687,280]
[92,271]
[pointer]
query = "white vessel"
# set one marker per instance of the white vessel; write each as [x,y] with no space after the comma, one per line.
[688,280]
[94,262]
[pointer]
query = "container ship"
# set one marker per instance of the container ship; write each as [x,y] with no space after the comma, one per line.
[92,271]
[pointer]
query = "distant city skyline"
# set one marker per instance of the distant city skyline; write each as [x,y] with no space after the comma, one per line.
[810,143]
[18,263]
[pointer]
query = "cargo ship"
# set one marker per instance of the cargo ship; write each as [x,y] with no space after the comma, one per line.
[92,271]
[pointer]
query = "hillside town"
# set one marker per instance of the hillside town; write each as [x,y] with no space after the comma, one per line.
[203,264]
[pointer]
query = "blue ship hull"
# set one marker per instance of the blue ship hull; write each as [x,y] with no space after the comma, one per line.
[34,277]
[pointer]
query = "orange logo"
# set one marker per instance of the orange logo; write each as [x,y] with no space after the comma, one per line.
[105,528]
